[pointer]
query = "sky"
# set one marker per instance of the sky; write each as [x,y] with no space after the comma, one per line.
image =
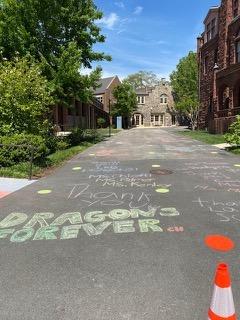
[149,35]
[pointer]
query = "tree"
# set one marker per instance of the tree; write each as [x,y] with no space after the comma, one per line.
[125,102]
[185,86]
[25,98]
[101,122]
[49,30]
[142,79]
[67,81]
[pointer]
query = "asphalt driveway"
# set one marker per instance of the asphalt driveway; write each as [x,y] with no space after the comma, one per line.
[118,232]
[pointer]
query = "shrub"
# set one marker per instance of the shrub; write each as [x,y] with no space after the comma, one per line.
[75,137]
[233,137]
[101,122]
[17,148]
[89,134]
[62,144]
[51,143]
[79,135]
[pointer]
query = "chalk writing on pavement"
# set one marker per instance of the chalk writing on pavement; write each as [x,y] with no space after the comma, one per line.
[227,211]
[19,227]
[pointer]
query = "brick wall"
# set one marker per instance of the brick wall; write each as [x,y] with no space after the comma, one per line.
[218,89]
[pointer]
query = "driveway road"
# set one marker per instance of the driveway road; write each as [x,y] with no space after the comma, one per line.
[118,232]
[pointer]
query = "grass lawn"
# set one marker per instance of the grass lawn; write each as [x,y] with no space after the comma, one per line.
[209,138]
[204,136]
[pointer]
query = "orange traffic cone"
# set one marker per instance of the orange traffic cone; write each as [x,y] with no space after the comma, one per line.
[222,305]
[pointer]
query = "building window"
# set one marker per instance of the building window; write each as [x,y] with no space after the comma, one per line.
[77,107]
[141,99]
[235,8]
[211,29]
[208,32]
[163,99]
[84,110]
[216,56]
[238,51]
[70,111]
[205,66]
[100,98]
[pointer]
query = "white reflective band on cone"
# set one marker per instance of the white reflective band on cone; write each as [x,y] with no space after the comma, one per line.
[222,302]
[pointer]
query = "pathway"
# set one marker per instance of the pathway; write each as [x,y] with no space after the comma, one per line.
[118,232]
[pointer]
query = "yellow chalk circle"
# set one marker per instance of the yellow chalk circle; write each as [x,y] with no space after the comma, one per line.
[162,190]
[77,168]
[156,166]
[44,191]
[92,154]
[237,165]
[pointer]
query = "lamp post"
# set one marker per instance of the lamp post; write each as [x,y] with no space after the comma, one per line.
[110,118]
[215,70]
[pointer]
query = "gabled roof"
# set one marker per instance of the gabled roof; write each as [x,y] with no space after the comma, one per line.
[213,9]
[141,91]
[104,84]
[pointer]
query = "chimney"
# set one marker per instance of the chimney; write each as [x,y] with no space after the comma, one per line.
[163,81]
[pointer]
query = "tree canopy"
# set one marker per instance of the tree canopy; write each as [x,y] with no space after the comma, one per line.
[43,28]
[125,101]
[25,98]
[51,31]
[142,79]
[185,86]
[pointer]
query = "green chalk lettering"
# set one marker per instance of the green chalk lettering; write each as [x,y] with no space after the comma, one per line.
[13,219]
[151,224]
[95,231]
[22,235]
[119,214]
[5,232]
[125,226]
[169,212]
[46,233]
[94,217]
[135,213]
[39,218]
[72,217]
[70,232]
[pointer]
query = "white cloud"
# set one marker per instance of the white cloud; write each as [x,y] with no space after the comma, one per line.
[109,21]
[120,4]
[138,10]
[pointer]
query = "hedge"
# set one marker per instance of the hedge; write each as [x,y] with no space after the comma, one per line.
[18,147]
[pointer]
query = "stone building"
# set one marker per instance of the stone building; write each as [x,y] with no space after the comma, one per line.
[219,67]
[155,106]
[104,93]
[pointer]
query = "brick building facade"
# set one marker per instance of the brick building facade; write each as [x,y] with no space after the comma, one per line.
[219,67]
[82,115]
[104,93]
[155,106]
